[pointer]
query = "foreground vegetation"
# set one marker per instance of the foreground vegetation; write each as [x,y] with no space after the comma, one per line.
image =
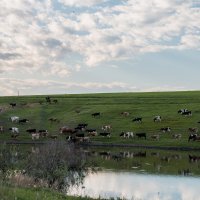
[73,109]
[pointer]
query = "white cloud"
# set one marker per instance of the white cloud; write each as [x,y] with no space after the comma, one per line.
[79,3]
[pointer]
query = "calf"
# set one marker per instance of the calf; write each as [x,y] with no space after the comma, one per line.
[182,110]
[137,119]
[155,137]
[140,135]
[66,130]
[105,134]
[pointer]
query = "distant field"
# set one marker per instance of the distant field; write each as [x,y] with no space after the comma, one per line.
[74,109]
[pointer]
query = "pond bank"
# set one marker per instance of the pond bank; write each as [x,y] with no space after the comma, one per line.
[101,144]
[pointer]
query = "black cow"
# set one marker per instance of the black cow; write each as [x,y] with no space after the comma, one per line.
[21,121]
[97,114]
[105,134]
[137,119]
[80,135]
[140,135]
[33,130]
[48,99]
[13,104]
[55,101]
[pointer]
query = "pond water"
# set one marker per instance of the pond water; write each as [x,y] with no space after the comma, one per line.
[130,185]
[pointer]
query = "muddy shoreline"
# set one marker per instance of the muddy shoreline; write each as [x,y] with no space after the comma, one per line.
[101,144]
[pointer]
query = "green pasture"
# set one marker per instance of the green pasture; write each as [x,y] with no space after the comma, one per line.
[74,109]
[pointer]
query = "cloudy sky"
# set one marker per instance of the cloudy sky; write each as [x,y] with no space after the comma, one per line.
[86,46]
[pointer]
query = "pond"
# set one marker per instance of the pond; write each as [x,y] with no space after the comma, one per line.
[131,173]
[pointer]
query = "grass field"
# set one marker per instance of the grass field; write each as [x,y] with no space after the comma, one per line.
[74,109]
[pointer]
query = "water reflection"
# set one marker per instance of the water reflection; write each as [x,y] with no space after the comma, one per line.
[138,186]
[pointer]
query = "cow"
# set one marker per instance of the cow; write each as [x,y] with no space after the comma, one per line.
[80,135]
[14,130]
[32,130]
[66,130]
[157,118]
[192,137]
[155,137]
[14,119]
[125,114]
[91,132]
[182,110]
[35,136]
[193,130]
[127,134]
[106,128]
[105,134]
[54,120]
[81,127]
[140,135]
[137,119]
[177,136]
[55,101]
[96,114]
[21,121]
[13,105]
[43,132]
[193,158]
[165,129]
[48,99]
[187,113]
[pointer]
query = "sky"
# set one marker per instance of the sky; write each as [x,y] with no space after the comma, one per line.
[99,46]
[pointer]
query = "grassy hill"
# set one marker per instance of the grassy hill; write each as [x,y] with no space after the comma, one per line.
[74,109]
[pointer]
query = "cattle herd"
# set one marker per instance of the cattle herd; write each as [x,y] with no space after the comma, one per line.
[82,132]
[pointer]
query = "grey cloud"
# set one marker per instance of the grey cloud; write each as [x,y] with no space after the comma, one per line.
[9,56]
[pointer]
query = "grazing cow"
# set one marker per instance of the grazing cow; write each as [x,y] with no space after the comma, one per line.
[155,137]
[126,134]
[13,104]
[81,127]
[66,130]
[140,135]
[106,128]
[97,114]
[193,130]
[192,137]
[14,119]
[1,129]
[137,119]
[14,130]
[48,99]
[182,110]
[125,114]
[32,130]
[187,113]
[177,136]
[35,136]
[43,133]
[21,121]
[105,134]
[55,101]
[165,129]
[157,118]
[54,120]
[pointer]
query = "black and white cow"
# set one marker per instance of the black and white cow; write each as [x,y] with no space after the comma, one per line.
[21,121]
[105,134]
[14,130]
[137,119]
[165,129]
[14,119]
[187,113]
[127,134]
[182,110]
[157,118]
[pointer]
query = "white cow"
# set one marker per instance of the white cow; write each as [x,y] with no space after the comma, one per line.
[35,136]
[14,130]
[14,119]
